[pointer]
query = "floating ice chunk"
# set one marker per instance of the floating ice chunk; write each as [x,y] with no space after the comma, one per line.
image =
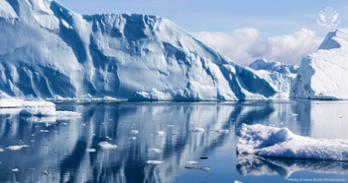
[107,146]
[2,150]
[18,103]
[160,133]
[237,181]
[198,130]
[154,162]
[191,162]
[155,150]
[49,111]
[15,170]
[91,150]
[134,132]
[44,131]
[16,147]
[268,141]
[134,138]
[38,111]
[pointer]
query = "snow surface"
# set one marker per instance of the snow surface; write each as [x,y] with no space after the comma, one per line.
[323,74]
[268,141]
[50,52]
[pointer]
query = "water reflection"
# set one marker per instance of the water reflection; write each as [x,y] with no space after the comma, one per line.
[254,165]
[59,149]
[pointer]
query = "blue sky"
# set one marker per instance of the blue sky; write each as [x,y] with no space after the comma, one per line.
[269,16]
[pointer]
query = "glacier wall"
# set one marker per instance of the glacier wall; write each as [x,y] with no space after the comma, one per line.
[50,52]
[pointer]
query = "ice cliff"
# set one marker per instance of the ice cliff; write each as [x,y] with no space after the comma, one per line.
[48,51]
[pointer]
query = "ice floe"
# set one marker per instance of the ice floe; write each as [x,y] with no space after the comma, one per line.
[107,146]
[275,142]
[17,103]
[91,150]
[16,147]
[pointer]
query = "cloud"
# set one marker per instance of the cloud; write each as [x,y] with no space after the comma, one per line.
[245,45]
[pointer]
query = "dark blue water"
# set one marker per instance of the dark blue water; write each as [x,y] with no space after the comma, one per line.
[57,149]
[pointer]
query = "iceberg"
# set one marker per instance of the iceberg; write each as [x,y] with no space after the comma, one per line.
[322,75]
[50,52]
[281,76]
[275,142]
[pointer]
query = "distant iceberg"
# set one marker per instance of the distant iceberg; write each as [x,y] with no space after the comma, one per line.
[275,142]
[281,76]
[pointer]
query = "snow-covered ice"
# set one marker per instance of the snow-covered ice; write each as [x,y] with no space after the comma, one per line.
[280,76]
[91,150]
[191,162]
[268,141]
[104,145]
[323,74]
[16,147]
[96,56]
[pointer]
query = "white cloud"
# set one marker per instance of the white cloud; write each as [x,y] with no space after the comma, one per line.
[245,45]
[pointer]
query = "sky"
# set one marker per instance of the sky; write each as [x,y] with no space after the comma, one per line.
[268,24]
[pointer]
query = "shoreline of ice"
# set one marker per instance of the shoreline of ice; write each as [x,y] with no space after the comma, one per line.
[275,142]
[35,110]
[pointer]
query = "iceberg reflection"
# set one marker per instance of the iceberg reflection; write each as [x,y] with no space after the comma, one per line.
[259,166]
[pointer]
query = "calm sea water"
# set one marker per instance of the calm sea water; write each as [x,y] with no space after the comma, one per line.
[58,148]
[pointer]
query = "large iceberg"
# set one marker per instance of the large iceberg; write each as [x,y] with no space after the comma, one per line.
[323,74]
[275,142]
[48,51]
